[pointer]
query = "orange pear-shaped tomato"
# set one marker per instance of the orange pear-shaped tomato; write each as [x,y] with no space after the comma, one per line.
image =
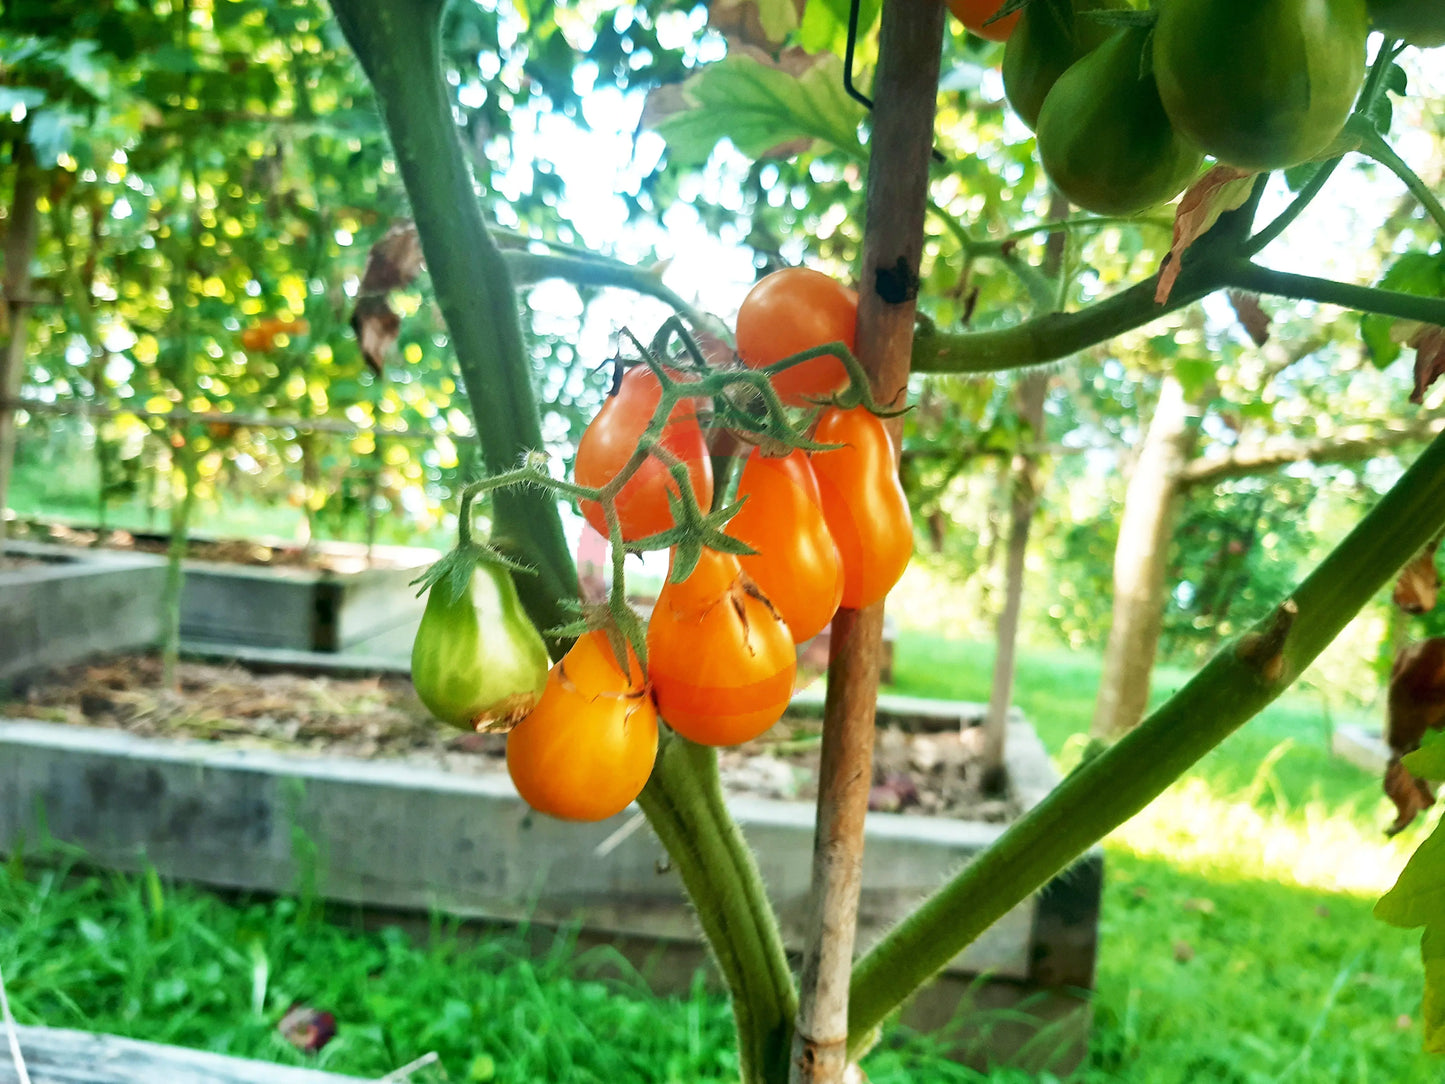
[864,503]
[586,750]
[720,659]
[613,435]
[797,564]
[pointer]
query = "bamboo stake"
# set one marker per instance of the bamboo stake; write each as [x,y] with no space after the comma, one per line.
[905,90]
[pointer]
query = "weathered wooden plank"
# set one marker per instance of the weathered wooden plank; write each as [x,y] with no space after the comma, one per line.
[61,1056]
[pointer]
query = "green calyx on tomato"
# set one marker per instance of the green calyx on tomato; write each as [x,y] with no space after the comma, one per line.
[1050,37]
[478,662]
[1260,84]
[1419,22]
[1103,136]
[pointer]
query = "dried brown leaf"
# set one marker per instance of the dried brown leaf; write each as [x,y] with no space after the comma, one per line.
[1416,704]
[741,22]
[1429,344]
[1411,796]
[1252,316]
[393,262]
[662,102]
[1418,588]
[1222,189]
[307,1029]
[377,327]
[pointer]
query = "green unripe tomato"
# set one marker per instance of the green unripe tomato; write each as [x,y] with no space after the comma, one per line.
[1103,137]
[1420,22]
[1260,84]
[478,662]
[1049,38]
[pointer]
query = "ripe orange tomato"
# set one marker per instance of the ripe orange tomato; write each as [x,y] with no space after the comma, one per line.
[790,311]
[973,13]
[797,564]
[613,435]
[261,338]
[586,750]
[864,503]
[720,659]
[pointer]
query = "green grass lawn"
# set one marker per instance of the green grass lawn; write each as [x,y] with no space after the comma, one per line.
[1237,943]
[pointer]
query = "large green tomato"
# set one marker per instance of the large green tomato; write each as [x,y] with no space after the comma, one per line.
[478,662]
[1103,137]
[1420,22]
[1049,38]
[1260,84]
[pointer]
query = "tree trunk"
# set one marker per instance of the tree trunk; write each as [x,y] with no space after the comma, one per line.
[21,236]
[1023,472]
[1150,506]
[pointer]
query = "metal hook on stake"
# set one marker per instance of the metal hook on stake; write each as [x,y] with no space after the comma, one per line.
[848,50]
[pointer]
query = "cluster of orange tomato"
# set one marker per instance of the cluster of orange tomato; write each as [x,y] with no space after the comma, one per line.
[830,528]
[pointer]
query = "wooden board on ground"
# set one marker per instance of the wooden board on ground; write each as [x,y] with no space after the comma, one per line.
[61,1056]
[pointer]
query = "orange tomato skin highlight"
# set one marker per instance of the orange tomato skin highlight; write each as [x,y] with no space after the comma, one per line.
[797,565]
[613,435]
[974,13]
[790,311]
[587,749]
[721,661]
[864,503]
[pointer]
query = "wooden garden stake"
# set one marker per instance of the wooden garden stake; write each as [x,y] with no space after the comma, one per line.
[905,92]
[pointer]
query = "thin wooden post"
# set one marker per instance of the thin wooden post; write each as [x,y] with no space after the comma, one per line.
[905,93]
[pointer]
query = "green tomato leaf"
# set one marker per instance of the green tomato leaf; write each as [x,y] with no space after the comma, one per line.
[51,133]
[1432,950]
[1396,81]
[825,24]
[29,97]
[1418,897]
[1418,273]
[1428,761]
[763,108]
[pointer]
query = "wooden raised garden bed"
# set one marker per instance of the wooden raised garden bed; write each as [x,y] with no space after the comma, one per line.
[444,829]
[270,595]
[59,607]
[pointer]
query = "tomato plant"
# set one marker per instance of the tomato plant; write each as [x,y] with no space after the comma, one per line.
[790,311]
[1260,85]
[797,564]
[864,503]
[719,656]
[586,750]
[975,14]
[610,440]
[478,662]
[1103,137]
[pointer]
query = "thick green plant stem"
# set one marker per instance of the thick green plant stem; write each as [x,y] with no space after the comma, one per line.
[398,44]
[529,267]
[1111,787]
[1058,335]
[684,802]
